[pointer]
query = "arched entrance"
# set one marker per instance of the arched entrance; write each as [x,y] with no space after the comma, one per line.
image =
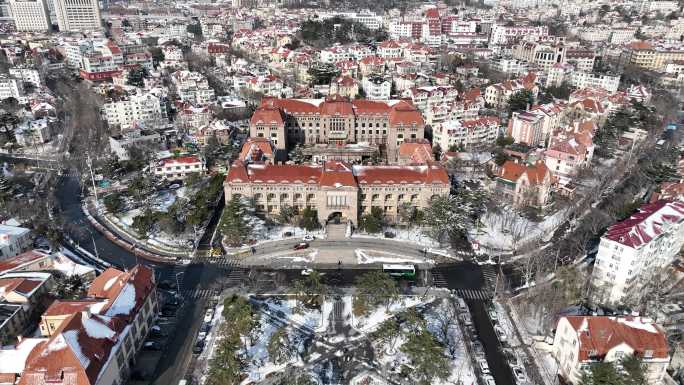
[335,218]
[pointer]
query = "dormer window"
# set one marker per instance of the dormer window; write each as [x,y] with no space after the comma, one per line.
[648,353]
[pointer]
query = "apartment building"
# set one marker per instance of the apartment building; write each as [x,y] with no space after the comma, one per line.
[142,110]
[582,341]
[30,15]
[496,95]
[470,135]
[570,151]
[26,75]
[633,251]
[14,240]
[193,87]
[647,55]
[96,343]
[377,87]
[78,15]
[337,189]
[336,120]
[502,34]
[11,87]
[510,66]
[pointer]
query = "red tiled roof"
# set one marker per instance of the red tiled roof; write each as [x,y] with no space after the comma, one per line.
[21,259]
[180,159]
[512,171]
[419,151]
[255,149]
[113,285]
[267,115]
[599,334]
[424,174]
[19,285]
[60,307]
[646,224]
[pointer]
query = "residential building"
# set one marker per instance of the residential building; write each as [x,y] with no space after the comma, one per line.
[377,87]
[650,56]
[344,86]
[582,341]
[257,150]
[97,344]
[37,260]
[30,15]
[510,66]
[11,87]
[14,240]
[526,127]
[26,75]
[633,251]
[78,15]
[138,111]
[30,290]
[415,152]
[192,87]
[470,135]
[337,189]
[120,144]
[525,184]
[570,151]
[502,34]
[497,95]
[178,167]
[336,120]
[13,322]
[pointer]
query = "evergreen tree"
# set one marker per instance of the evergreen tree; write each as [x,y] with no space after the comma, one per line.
[309,220]
[5,186]
[388,333]
[297,155]
[279,346]
[372,222]
[427,356]
[286,215]
[519,101]
[233,225]
[310,291]
[601,373]
[375,288]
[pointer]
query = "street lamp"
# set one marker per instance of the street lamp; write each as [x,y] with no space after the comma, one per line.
[178,281]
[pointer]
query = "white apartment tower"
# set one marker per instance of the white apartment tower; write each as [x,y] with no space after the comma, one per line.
[78,15]
[633,251]
[30,15]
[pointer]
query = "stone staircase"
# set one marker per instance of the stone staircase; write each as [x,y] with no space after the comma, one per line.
[336,231]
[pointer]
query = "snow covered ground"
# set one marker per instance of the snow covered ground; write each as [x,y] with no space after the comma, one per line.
[370,322]
[414,235]
[506,229]
[374,256]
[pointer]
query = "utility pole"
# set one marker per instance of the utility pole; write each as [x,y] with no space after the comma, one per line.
[92,178]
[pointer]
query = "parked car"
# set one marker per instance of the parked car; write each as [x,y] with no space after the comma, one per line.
[209,315]
[484,367]
[308,238]
[519,373]
[205,327]
[168,312]
[199,346]
[307,271]
[489,380]
[500,333]
[156,331]
[151,345]
[492,315]
[301,246]
[201,336]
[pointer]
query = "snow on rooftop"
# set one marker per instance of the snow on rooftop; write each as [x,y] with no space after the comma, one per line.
[14,360]
[124,303]
[638,324]
[71,338]
[96,329]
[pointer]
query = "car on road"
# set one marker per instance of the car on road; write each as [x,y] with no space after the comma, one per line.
[199,346]
[205,327]
[152,345]
[201,336]
[209,315]
[519,374]
[174,186]
[492,315]
[308,238]
[301,246]
[307,271]
[484,367]
[500,333]
[168,312]
[489,380]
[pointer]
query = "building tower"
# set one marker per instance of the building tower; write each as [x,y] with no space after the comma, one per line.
[78,15]
[30,15]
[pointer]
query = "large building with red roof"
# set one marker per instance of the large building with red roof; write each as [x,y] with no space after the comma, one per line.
[94,341]
[581,341]
[633,251]
[336,120]
[336,189]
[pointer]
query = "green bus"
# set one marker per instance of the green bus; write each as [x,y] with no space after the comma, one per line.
[400,271]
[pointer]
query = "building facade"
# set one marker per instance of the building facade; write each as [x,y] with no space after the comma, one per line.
[336,188]
[78,15]
[336,120]
[582,341]
[633,251]
[30,15]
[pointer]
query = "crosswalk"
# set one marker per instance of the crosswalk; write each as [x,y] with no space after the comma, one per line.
[489,273]
[439,280]
[223,261]
[236,276]
[198,293]
[474,294]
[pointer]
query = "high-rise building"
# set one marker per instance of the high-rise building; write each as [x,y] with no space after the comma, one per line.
[30,15]
[78,15]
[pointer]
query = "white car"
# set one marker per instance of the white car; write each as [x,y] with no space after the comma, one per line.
[307,271]
[489,380]
[308,238]
[209,315]
[484,367]
[201,336]
[520,376]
